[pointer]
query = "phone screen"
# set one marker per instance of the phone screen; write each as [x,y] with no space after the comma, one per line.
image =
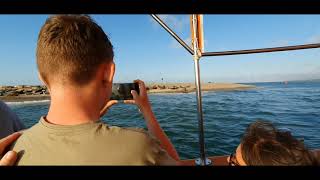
[122,91]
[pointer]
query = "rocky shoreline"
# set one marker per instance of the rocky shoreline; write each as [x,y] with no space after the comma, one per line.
[23,93]
[36,93]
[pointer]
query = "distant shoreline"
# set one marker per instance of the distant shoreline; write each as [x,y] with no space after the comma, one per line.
[152,88]
[24,98]
[190,87]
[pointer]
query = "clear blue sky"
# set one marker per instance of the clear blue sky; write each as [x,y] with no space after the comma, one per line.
[144,50]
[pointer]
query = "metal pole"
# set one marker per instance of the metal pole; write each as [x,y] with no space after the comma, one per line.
[196,57]
[174,35]
[262,50]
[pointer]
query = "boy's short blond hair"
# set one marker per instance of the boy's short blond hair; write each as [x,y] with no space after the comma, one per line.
[70,48]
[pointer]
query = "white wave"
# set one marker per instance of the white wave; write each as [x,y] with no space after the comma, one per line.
[27,102]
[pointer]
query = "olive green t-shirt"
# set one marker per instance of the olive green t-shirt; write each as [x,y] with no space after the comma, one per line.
[93,143]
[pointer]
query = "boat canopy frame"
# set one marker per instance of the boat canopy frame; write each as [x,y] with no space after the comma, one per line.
[197,54]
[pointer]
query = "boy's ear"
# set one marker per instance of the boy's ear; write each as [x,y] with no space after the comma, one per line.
[109,72]
[43,81]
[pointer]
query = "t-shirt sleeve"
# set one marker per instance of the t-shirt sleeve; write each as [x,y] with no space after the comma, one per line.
[154,154]
[159,155]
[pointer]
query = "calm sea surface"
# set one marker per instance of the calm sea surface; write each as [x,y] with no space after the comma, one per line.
[294,106]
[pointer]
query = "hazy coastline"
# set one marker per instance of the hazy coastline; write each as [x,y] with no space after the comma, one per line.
[39,93]
[190,87]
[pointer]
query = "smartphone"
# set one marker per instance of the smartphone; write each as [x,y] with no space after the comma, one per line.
[122,91]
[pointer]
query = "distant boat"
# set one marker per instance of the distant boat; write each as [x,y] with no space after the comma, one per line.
[285,82]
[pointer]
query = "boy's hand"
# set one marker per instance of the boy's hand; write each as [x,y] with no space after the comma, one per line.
[141,99]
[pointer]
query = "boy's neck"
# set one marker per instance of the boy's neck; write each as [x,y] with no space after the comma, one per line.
[69,107]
